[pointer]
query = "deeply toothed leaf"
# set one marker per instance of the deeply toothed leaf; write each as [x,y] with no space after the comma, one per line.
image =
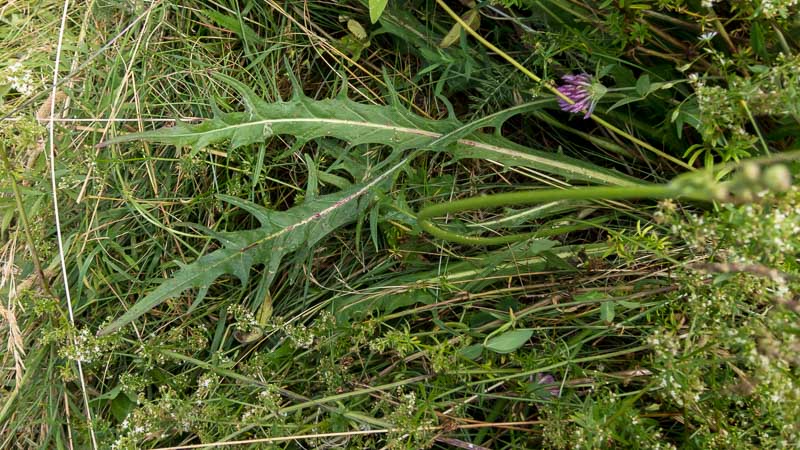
[358,123]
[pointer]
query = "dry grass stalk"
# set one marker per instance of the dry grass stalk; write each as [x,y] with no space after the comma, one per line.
[15,343]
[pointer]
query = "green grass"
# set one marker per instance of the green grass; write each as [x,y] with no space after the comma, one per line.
[635,324]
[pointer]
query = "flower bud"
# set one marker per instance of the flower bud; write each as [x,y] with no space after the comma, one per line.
[720,193]
[777,178]
[751,172]
[745,196]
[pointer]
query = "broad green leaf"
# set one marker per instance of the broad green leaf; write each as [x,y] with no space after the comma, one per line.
[662,85]
[108,395]
[687,113]
[281,232]
[358,123]
[412,297]
[121,406]
[557,262]
[628,304]
[509,341]
[376,8]
[471,275]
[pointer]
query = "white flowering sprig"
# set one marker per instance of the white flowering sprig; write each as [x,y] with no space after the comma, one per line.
[772,9]
[19,78]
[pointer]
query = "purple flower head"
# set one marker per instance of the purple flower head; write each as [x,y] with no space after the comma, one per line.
[546,378]
[583,91]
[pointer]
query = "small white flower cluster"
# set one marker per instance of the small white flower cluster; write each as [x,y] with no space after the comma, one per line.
[250,413]
[85,347]
[408,404]
[149,356]
[134,384]
[769,234]
[683,393]
[666,345]
[245,319]
[596,437]
[156,419]
[777,8]
[207,383]
[300,336]
[270,398]
[134,430]
[20,79]
[411,421]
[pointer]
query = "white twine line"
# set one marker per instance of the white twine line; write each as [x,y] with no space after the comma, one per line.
[59,238]
[104,120]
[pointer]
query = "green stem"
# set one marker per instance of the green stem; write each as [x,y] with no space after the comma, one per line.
[32,362]
[600,142]
[527,373]
[26,229]
[781,39]
[304,402]
[755,127]
[723,32]
[555,91]
[424,217]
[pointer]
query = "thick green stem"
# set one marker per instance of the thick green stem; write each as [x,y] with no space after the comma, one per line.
[424,218]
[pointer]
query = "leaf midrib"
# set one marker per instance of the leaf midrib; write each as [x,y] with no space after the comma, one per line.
[151,300]
[610,179]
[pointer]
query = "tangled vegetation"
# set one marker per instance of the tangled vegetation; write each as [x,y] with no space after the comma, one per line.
[400,224]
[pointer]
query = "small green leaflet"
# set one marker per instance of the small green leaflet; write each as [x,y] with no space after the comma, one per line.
[472,18]
[472,352]
[358,31]
[376,8]
[643,85]
[607,312]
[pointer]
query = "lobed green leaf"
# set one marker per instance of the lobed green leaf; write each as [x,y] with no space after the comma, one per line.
[357,123]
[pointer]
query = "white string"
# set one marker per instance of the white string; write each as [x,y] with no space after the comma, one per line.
[103,120]
[51,136]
